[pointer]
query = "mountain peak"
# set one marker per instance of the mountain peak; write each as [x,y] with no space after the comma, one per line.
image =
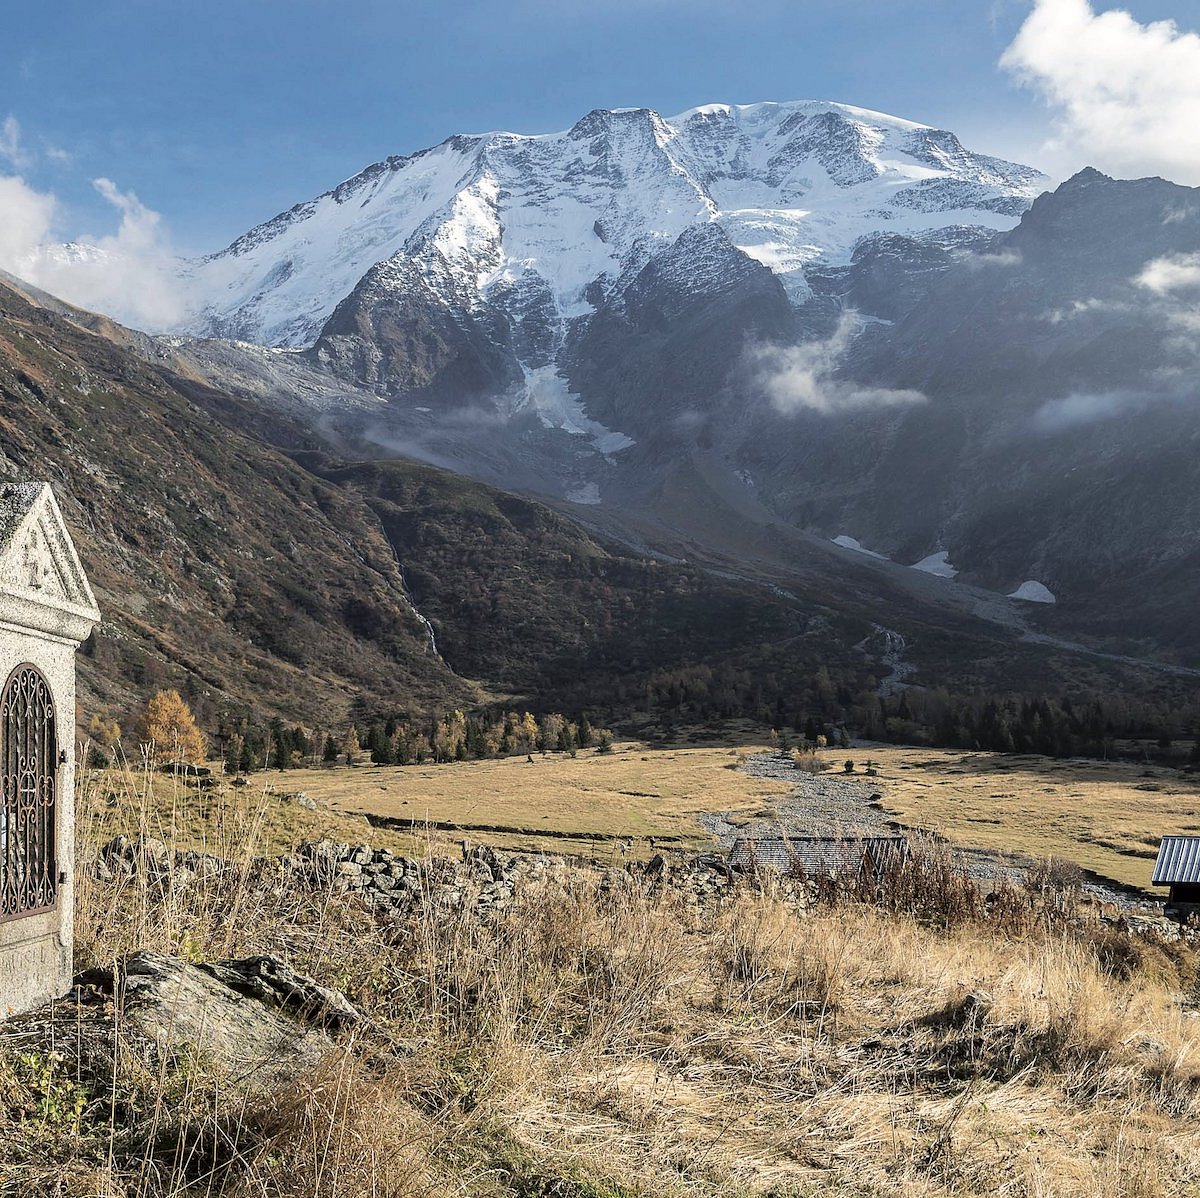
[565,215]
[1089,174]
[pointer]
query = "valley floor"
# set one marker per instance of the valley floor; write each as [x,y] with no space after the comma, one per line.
[1106,816]
[611,1034]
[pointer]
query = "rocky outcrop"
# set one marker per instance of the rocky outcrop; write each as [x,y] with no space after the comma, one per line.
[256,1021]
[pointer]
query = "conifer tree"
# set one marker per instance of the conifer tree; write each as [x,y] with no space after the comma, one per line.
[170,729]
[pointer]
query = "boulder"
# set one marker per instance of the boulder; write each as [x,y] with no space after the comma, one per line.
[254,1020]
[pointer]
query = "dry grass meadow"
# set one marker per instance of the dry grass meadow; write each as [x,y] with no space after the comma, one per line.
[631,794]
[1106,816]
[591,1043]
[587,805]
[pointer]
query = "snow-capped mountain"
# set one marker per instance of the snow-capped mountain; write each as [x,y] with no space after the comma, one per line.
[780,316]
[542,229]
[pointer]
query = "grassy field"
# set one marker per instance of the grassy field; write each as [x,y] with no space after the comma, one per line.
[597,805]
[1106,816]
[586,1043]
[592,1043]
[591,803]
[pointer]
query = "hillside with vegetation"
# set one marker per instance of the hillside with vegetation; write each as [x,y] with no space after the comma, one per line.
[221,567]
[237,560]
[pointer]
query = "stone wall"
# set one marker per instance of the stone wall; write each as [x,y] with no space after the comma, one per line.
[482,879]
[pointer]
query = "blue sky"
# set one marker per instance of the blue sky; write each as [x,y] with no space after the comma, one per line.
[220,113]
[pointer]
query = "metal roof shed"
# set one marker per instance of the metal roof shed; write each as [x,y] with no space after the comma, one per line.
[1178,867]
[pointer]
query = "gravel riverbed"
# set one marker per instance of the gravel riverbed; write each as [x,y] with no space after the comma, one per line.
[833,804]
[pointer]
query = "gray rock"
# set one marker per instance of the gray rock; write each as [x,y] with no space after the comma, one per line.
[255,1020]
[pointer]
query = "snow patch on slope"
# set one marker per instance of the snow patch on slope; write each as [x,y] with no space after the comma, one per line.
[937,564]
[1032,591]
[850,543]
[556,406]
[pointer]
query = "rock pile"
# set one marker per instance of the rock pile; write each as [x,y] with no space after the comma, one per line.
[483,879]
[487,881]
[125,857]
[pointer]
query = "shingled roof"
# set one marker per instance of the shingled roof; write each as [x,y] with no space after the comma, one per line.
[1178,861]
[814,855]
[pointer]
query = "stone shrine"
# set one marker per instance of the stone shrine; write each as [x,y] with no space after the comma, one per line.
[46,610]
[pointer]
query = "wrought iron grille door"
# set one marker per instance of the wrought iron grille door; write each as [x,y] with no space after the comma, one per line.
[28,774]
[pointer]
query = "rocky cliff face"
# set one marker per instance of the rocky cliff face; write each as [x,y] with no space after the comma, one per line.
[1058,441]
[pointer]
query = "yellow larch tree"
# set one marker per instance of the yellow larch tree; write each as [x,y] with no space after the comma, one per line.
[170,729]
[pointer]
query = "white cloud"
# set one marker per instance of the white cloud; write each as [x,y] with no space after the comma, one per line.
[1075,410]
[801,377]
[1087,307]
[999,259]
[1176,272]
[129,274]
[26,218]
[1127,93]
[10,143]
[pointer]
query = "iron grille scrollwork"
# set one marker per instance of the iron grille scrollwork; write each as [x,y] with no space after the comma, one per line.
[28,776]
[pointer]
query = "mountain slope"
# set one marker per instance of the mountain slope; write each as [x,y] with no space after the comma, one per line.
[1059,441]
[219,564]
[859,328]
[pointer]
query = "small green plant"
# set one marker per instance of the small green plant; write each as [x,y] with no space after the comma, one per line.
[57,1100]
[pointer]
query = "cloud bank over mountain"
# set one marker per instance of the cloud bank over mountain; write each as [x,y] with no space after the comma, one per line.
[129,274]
[804,377]
[1127,94]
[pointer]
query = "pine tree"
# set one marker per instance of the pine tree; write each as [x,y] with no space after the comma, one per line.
[233,753]
[404,754]
[350,745]
[330,755]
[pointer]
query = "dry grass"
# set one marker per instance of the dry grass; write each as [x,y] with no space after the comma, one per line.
[1107,816]
[227,821]
[633,793]
[591,1044]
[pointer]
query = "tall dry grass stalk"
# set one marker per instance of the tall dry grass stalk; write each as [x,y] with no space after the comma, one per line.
[594,1040]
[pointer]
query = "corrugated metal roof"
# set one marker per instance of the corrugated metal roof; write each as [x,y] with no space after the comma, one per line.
[815,855]
[1178,860]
